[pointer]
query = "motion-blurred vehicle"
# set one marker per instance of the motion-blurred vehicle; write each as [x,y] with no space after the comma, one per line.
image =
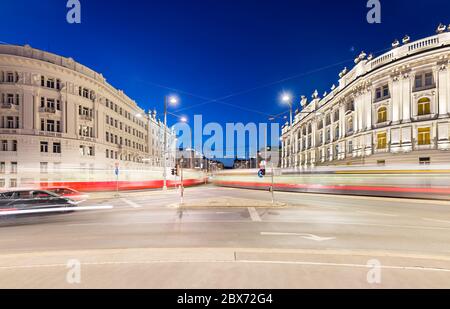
[74,195]
[32,200]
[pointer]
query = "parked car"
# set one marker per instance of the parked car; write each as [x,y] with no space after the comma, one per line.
[69,193]
[32,199]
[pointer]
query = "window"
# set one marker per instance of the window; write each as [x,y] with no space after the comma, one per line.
[2,167]
[350,106]
[424,107]
[107,136]
[425,161]
[50,83]
[10,123]
[382,93]
[382,114]
[424,81]
[13,183]
[107,153]
[13,167]
[328,120]
[56,147]
[424,136]
[10,99]
[44,167]
[2,183]
[4,145]
[336,115]
[50,125]
[14,145]
[44,147]
[350,125]
[381,162]
[10,77]
[382,140]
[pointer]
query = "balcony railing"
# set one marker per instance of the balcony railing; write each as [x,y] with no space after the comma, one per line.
[86,117]
[49,110]
[6,105]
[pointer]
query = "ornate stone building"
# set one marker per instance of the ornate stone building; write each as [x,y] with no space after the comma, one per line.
[59,119]
[390,109]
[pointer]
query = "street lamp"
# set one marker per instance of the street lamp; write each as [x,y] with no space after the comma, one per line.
[287,99]
[167,100]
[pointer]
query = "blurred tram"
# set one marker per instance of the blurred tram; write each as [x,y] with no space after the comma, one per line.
[405,181]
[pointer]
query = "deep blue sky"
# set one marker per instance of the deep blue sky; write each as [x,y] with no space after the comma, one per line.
[215,48]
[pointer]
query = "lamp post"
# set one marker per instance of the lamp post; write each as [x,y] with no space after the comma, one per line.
[287,99]
[167,100]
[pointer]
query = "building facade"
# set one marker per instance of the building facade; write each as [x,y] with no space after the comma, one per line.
[61,120]
[390,109]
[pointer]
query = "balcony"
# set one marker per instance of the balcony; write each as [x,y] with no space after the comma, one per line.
[50,134]
[86,117]
[47,110]
[9,106]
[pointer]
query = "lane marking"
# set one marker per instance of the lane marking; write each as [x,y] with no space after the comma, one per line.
[49,210]
[254,214]
[438,228]
[130,203]
[302,235]
[436,220]
[376,213]
[344,265]
[373,198]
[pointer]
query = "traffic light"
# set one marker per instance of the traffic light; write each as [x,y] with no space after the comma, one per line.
[263,171]
[176,171]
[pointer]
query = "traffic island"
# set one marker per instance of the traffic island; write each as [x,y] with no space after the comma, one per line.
[226,202]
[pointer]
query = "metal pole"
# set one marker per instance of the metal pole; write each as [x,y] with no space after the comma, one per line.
[165,145]
[117,184]
[272,187]
[182,184]
[292,136]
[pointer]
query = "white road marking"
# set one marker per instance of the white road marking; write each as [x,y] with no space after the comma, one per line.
[436,220]
[373,198]
[376,213]
[344,265]
[130,203]
[254,214]
[302,235]
[49,210]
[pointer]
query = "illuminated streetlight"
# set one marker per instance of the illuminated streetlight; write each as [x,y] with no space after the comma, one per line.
[167,100]
[287,99]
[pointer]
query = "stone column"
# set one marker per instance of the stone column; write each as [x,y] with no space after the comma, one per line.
[395,110]
[442,84]
[406,98]
[368,108]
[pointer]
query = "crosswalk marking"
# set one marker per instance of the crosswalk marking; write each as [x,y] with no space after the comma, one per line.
[254,214]
[130,203]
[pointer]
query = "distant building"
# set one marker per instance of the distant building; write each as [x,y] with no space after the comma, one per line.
[394,108]
[60,120]
[191,159]
[245,163]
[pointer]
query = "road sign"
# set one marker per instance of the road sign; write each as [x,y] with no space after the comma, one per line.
[261,173]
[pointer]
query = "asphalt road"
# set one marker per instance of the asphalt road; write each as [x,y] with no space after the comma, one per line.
[314,241]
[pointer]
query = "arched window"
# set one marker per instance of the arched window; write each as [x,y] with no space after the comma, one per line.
[350,125]
[382,114]
[424,107]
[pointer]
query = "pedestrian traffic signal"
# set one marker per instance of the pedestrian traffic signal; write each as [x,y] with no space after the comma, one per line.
[173,172]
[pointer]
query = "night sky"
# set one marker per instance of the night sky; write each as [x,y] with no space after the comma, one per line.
[243,53]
